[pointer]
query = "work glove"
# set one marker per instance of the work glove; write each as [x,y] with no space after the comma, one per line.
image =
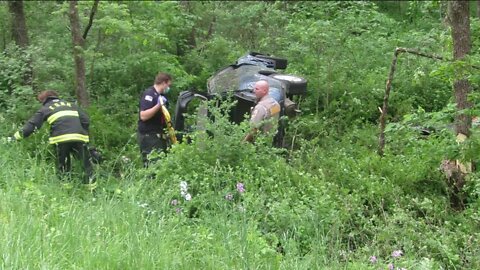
[17,136]
[162,100]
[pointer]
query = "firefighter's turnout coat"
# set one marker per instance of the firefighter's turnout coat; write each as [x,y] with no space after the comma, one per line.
[68,123]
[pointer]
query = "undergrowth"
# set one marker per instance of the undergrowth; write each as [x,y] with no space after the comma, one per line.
[218,202]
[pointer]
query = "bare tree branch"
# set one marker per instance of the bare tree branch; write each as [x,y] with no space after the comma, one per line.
[416,52]
[90,21]
[384,109]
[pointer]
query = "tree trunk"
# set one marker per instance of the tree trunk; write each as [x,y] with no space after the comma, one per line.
[460,22]
[192,38]
[78,46]
[459,14]
[20,35]
[478,8]
[19,27]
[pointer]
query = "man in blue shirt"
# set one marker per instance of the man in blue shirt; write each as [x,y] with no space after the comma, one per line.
[151,121]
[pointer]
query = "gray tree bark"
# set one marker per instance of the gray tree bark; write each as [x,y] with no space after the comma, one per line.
[460,22]
[459,17]
[78,45]
[19,27]
[20,35]
[78,41]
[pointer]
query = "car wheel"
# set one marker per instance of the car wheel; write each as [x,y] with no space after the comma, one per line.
[280,63]
[295,85]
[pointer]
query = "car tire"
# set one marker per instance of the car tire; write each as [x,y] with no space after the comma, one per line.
[295,85]
[280,63]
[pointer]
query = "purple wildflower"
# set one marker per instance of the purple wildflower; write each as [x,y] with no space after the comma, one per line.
[229,197]
[174,202]
[240,187]
[397,253]
[178,210]
[373,259]
[390,266]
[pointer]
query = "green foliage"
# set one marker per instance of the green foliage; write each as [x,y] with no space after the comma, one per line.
[214,55]
[345,211]
[391,200]
[13,68]
[329,202]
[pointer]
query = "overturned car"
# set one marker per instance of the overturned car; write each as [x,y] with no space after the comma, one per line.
[238,80]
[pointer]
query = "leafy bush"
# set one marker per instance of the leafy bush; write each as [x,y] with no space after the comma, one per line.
[14,66]
[327,202]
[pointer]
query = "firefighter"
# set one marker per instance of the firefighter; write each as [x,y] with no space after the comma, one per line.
[68,132]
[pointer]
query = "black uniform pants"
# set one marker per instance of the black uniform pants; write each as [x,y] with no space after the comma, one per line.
[149,142]
[79,150]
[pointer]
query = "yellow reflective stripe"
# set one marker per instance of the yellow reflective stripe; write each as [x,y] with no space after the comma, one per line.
[91,186]
[69,137]
[59,114]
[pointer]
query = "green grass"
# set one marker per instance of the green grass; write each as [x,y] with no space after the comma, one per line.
[327,208]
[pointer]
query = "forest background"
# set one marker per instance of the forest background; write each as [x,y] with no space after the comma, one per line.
[329,201]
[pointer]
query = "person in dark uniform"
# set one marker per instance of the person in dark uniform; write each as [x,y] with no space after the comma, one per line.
[68,132]
[151,121]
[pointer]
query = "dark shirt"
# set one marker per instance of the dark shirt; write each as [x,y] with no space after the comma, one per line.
[156,124]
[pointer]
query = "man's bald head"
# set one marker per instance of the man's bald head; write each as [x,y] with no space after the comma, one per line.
[261,89]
